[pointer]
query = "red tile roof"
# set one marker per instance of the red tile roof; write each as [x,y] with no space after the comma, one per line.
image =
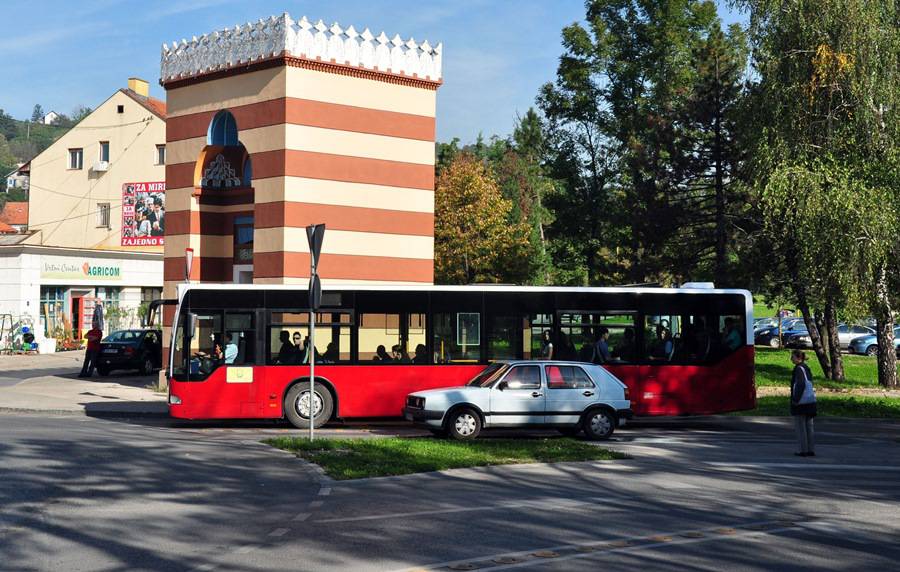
[154,105]
[15,213]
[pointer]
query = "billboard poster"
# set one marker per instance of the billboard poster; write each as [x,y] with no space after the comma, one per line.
[143,214]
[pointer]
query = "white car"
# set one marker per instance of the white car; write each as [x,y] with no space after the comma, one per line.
[570,396]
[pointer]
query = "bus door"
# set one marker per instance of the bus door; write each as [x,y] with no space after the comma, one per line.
[242,378]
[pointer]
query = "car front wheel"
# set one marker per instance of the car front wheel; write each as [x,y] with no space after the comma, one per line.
[463,425]
[599,424]
[775,343]
[872,350]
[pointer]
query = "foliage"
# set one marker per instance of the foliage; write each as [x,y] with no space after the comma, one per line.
[474,239]
[37,114]
[362,458]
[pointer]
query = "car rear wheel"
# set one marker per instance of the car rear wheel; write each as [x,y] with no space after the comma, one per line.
[103,371]
[599,424]
[146,365]
[463,424]
[872,350]
[297,405]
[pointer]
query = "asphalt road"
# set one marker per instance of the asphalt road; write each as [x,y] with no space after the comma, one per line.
[79,493]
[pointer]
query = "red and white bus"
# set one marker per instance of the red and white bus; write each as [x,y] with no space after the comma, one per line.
[237,351]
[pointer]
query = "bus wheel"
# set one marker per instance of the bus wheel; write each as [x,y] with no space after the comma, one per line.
[296,405]
[463,424]
[599,424]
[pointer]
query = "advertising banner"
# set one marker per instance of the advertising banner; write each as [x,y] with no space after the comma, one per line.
[84,269]
[143,214]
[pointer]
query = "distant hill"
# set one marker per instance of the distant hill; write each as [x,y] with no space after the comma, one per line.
[21,141]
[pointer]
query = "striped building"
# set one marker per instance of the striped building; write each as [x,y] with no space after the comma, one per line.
[276,125]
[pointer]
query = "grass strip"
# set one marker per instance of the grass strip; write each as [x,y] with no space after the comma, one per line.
[832,406]
[345,459]
[774,368]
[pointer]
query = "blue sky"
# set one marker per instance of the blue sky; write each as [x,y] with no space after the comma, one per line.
[496,53]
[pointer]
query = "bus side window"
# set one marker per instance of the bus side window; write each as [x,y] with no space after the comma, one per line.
[240,338]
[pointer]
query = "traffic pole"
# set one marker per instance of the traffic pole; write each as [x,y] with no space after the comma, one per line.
[311,352]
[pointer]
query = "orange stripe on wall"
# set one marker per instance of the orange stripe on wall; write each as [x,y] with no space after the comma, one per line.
[298,111]
[325,166]
[294,214]
[204,268]
[343,266]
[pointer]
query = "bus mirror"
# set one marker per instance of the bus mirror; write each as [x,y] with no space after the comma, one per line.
[190,324]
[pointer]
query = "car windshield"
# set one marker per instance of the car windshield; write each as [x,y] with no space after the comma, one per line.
[488,375]
[123,336]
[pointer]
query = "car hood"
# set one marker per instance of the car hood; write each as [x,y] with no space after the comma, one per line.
[458,391]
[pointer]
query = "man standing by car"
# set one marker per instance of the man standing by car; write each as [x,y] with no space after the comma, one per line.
[92,352]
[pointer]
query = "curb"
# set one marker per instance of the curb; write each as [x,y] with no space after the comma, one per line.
[98,414]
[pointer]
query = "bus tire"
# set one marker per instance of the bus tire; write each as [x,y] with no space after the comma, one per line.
[463,424]
[599,424]
[296,405]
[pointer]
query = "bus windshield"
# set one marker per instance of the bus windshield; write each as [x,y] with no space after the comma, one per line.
[488,375]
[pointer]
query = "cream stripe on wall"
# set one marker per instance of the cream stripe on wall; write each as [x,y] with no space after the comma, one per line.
[359,92]
[211,246]
[240,89]
[345,242]
[339,193]
[316,139]
[354,144]
[180,199]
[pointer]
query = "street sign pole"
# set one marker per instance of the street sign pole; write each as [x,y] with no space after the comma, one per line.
[314,234]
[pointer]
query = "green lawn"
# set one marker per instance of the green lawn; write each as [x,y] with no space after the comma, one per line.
[360,458]
[833,406]
[774,367]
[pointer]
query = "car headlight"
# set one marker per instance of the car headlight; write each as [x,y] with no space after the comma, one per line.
[415,401]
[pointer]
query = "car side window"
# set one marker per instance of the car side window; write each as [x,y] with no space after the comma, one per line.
[860,330]
[567,377]
[523,377]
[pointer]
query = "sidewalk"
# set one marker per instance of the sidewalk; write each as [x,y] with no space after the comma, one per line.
[49,383]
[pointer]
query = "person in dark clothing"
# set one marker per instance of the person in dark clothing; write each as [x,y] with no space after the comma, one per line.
[625,350]
[288,352]
[421,356]
[601,346]
[803,404]
[91,353]
[382,355]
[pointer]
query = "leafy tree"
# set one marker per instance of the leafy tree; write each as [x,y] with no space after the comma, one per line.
[8,126]
[474,240]
[7,160]
[826,158]
[37,114]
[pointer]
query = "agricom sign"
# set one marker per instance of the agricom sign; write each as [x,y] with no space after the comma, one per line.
[100,270]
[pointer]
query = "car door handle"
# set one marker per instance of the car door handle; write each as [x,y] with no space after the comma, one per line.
[588,393]
[536,394]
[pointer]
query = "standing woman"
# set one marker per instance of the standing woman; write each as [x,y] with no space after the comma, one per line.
[803,404]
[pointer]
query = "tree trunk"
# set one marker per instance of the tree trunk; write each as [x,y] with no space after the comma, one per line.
[834,349]
[884,317]
[815,336]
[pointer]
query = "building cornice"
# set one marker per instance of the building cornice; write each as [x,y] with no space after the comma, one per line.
[63,251]
[282,41]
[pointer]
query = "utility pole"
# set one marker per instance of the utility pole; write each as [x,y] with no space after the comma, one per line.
[314,234]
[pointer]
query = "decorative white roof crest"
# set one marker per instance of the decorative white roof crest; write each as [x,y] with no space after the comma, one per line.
[245,44]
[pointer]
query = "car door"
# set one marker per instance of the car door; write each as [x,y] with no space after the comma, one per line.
[856,332]
[569,391]
[518,398]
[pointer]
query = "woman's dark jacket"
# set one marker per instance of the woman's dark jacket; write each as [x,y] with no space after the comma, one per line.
[798,386]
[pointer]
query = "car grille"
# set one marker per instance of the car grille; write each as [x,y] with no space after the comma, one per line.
[416,402]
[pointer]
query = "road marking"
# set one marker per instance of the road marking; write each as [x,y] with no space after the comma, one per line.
[301,517]
[279,532]
[316,504]
[809,465]
[324,491]
[246,549]
[527,558]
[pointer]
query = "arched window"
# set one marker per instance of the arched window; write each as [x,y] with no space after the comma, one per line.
[222,130]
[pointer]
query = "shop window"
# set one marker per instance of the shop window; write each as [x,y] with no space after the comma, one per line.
[150,294]
[457,337]
[52,304]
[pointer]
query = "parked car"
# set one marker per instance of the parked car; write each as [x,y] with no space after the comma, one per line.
[570,396]
[769,336]
[798,338]
[847,333]
[868,345]
[130,349]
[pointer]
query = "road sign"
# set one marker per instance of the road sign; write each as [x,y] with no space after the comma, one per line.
[315,292]
[314,234]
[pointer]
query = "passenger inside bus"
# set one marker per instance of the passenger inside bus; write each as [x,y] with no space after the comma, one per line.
[381,355]
[626,349]
[663,347]
[421,356]
[731,338]
[231,349]
[288,353]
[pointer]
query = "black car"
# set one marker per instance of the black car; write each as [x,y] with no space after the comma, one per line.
[769,336]
[130,349]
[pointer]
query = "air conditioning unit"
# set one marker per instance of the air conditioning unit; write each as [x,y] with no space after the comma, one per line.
[101,166]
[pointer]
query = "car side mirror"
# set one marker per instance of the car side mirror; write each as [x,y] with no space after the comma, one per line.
[503,385]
